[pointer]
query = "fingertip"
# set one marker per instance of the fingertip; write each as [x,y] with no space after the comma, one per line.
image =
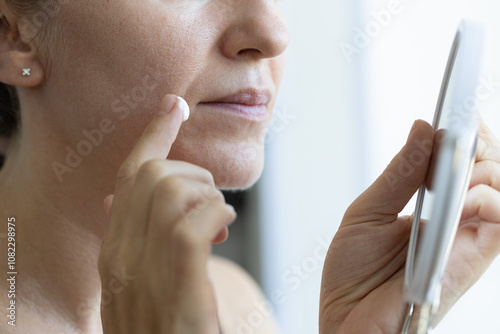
[171,102]
[176,103]
[424,127]
[421,122]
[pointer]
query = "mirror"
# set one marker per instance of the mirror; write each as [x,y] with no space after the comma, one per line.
[440,200]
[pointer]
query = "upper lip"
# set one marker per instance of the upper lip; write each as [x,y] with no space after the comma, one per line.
[248,97]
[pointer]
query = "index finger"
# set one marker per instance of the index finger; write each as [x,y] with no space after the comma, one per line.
[156,140]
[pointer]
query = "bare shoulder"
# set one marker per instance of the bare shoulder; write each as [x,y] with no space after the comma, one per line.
[242,305]
[235,277]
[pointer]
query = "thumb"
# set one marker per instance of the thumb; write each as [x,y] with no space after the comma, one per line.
[389,194]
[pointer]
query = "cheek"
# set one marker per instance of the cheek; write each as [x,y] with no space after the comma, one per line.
[122,52]
[234,164]
[120,69]
[278,65]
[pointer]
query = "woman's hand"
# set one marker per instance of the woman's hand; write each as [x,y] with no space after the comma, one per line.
[362,285]
[164,217]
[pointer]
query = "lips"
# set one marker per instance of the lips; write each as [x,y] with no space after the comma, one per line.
[251,103]
[247,97]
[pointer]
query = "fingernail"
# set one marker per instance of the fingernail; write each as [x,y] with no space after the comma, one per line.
[184,107]
[167,104]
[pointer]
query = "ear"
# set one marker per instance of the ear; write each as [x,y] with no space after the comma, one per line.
[18,53]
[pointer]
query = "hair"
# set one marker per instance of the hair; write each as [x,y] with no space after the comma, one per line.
[9,101]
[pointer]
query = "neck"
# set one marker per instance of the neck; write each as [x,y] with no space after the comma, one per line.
[59,231]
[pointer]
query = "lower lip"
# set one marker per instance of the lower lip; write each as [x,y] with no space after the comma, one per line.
[251,112]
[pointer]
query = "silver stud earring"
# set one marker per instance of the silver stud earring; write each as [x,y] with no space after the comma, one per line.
[26,72]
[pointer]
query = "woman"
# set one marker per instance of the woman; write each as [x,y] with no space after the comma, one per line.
[94,81]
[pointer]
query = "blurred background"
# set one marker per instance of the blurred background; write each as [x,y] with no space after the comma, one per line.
[345,109]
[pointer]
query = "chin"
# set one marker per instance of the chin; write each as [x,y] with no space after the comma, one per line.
[234,166]
[240,177]
[241,170]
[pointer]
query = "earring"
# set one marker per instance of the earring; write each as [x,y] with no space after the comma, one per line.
[26,72]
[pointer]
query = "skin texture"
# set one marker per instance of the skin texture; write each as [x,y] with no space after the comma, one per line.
[148,251]
[84,71]
[198,51]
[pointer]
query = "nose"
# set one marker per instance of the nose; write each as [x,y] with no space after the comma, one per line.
[255,29]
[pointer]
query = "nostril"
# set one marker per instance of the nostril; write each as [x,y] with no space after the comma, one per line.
[248,51]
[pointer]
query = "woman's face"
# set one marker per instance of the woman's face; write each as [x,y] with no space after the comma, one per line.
[115,60]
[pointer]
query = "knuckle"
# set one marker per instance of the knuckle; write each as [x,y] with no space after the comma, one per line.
[212,193]
[169,185]
[190,198]
[176,191]
[207,176]
[492,170]
[478,193]
[151,167]
[226,213]
[203,174]
[195,193]
[481,188]
[185,237]
[220,206]
[486,165]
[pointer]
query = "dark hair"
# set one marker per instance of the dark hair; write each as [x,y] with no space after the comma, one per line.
[9,109]
[9,102]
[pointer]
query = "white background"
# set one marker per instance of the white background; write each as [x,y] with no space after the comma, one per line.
[350,120]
